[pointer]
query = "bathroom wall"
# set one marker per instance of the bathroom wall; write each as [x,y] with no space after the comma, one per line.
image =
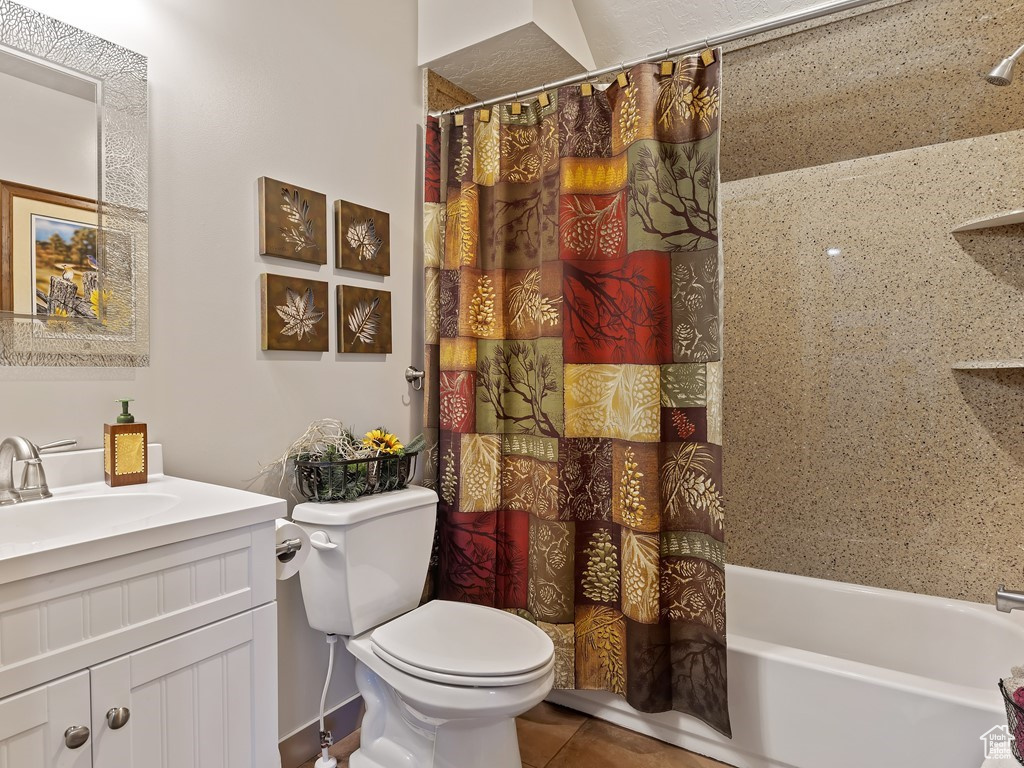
[887,76]
[854,450]
[326,95]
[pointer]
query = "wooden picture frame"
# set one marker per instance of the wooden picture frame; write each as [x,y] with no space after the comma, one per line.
[362,238]
[364,320]
[293,222]
[294,314]
[19,203]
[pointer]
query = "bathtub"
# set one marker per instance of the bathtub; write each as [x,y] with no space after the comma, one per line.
[830,675]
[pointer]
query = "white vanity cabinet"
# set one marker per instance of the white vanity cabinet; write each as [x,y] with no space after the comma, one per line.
[170,623]
[32,725]
[194,700]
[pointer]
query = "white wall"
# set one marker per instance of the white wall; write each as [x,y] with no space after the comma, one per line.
[38,150]
[323,94]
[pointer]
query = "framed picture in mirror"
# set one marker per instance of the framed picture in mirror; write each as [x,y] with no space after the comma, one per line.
[49,263]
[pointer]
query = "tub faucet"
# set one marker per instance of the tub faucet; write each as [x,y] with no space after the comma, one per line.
[33,480]
[1009,601]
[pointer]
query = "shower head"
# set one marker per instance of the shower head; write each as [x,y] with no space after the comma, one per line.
[1003,73]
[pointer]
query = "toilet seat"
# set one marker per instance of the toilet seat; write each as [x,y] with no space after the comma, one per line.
[465,645]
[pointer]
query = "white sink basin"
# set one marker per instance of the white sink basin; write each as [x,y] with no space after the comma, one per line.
[86,520]
[48,518]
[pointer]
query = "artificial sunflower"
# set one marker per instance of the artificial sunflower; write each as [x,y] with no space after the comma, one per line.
[383,442]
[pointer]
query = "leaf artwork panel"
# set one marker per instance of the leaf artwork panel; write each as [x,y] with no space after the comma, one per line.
[363,238]
[293,313]
[293,222]
[364,320]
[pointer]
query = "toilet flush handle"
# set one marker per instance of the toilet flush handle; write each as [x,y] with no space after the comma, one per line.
[321,542]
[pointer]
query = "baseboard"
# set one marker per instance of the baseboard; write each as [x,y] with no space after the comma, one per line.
[303,745]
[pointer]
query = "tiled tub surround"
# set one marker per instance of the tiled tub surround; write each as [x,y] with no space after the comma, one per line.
[856,453]
[882,78]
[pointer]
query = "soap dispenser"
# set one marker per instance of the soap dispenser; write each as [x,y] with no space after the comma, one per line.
[125,453]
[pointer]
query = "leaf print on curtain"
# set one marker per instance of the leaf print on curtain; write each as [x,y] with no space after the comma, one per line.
[573,296]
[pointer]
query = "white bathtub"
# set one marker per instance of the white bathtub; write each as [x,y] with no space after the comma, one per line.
[830,675]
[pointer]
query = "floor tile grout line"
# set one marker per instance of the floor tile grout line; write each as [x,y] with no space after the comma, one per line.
[584,721]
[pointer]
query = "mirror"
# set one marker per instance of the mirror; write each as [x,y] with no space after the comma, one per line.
[73,196]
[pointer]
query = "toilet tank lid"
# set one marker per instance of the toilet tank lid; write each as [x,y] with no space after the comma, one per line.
[365,508]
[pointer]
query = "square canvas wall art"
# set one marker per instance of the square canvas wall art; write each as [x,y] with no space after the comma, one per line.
[294,313]
[363,238]
[293,222]
[364,320]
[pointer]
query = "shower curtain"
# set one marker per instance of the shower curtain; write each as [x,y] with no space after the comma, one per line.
[574,379]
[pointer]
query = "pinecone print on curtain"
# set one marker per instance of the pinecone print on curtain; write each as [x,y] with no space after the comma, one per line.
[574,281]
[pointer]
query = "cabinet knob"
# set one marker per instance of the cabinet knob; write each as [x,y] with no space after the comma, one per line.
[117,717]
[76,736]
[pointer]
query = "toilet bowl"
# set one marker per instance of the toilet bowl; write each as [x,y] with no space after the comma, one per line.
[443,682]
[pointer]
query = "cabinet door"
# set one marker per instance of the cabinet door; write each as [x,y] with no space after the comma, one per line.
[32,725]
[204,699]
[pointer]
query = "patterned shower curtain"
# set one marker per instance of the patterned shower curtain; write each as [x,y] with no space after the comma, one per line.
[574,382]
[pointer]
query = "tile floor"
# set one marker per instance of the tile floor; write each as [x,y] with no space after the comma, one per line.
[555,737]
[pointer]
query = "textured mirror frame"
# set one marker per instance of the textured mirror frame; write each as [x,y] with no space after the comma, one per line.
[120,337]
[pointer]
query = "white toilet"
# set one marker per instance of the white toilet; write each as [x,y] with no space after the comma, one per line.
[443,682]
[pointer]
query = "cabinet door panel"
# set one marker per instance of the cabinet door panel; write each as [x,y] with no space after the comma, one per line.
[192,700]
[32,725]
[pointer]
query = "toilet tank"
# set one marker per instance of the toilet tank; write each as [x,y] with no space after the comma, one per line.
[369,558]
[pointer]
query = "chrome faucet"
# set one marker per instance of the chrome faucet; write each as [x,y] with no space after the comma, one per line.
[1008,601]
[33,479]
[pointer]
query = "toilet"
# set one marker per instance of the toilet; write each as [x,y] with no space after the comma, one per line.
[442,682]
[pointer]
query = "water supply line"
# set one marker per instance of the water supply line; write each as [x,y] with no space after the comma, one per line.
[325,760]
[785,20]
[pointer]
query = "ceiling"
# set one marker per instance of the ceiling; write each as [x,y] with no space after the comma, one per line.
[618,30]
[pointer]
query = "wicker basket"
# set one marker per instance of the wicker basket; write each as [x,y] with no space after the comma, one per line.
[348,479]
[1015,719]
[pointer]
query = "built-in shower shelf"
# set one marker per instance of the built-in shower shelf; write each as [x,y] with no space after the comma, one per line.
[987,365]
[999,220]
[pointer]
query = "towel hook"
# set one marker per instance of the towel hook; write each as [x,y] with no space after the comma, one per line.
[415,377]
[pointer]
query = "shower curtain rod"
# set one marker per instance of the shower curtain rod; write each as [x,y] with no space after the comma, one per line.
[703,43]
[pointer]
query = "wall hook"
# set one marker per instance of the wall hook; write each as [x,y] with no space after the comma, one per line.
[415,377]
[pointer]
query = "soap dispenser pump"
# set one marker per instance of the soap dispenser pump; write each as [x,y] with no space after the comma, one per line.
[125,451]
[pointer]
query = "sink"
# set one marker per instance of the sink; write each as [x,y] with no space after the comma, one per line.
[54,517]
